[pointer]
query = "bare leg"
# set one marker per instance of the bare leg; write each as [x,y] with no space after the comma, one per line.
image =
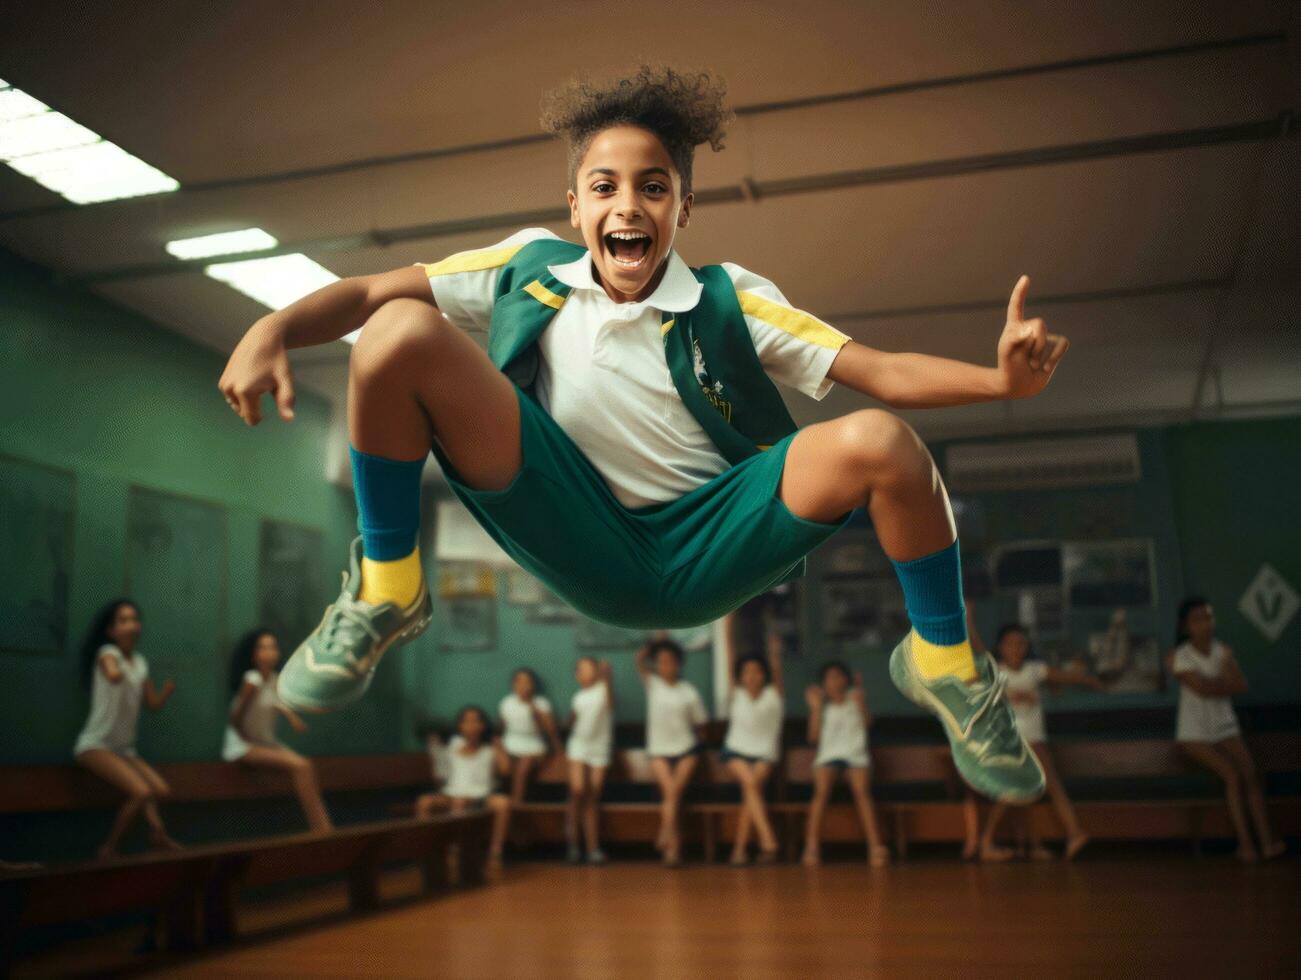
[115,770]
[1076,838]
[521,770]
[970,825]
[1235,750]
[752,778]
[416,378]
[591,812]
[989,851]
[824,777]
[574,805]
[1205,755]
[663,772]
[302,773]
[430,804]
[870,455]
[159,790]
[499,804]
[859,780]
[673,778]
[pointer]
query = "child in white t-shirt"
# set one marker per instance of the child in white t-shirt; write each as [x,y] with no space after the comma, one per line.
[120,682]
[675,716]
[528,730]
[1022,679]
[753,743]
[251,724]
[838,722]
[591,736]
[473,764]
[1207,728]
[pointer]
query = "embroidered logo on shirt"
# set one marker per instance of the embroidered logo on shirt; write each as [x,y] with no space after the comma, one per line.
[713,389]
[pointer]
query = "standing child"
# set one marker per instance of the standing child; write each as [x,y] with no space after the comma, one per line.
[627,401]
[675,716]
[591,736]
[473,765]
[1023,679]
[838,723]
[119,680]
[251,726]
[529,730]
[753,744]
[1207,727]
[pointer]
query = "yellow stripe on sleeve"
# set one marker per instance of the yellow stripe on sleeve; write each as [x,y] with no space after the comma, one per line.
[475,260]
[667,327]
[794,322]
[543,295]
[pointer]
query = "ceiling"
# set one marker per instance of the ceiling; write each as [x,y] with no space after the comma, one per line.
[894,168]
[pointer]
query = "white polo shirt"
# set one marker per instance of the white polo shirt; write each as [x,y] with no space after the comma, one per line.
[602,373]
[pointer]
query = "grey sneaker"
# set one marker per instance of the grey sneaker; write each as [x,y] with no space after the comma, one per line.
[333,667]
[989,752]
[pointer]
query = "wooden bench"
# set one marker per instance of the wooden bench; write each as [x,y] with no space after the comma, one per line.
[194,892]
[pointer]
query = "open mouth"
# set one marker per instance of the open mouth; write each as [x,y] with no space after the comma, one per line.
[628,249]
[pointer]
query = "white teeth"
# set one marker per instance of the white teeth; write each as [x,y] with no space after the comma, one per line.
[630,236]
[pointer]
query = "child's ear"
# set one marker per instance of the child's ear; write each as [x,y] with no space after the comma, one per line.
[684,213]
[572,198]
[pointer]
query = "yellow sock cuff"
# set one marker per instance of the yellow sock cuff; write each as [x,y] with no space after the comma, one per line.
[934,661]
[397,581]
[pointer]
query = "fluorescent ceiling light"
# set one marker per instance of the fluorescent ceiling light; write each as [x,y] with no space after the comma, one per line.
[223,243]
[276,281]
[66,157]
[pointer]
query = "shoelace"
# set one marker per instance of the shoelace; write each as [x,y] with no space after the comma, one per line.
[335,646]
[992,697]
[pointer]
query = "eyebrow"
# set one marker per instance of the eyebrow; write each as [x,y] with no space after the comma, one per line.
[610,173]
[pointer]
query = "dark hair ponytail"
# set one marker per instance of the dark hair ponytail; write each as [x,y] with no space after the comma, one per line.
[97,636]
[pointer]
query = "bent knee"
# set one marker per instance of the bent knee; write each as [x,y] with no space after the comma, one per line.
[881,443]
[395,333]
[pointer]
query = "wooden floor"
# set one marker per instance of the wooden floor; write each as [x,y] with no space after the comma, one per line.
[1106,916]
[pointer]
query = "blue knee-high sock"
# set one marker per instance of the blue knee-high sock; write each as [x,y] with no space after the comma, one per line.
[388,504]
[932,591]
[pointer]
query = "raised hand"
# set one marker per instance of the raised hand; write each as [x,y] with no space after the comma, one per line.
[258,365]
[856,692]
[1027,353]
[813,696]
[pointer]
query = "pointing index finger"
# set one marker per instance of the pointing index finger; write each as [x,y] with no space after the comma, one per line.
[1016,305]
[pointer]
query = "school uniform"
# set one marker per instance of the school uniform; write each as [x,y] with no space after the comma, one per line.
[469,777]
[114,708]
[522,735]
[1026,681]
[592,736]
[259,721]
[672,712]
[1203,717]
[754,725]
[842,742]
[652,435]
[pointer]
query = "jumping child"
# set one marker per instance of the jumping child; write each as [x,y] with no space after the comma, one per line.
[838,723]
[675,716]
[251,725]
[119,680]
[626,403]
[591,737]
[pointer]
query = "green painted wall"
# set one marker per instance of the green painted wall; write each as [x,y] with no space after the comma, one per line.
[91,388]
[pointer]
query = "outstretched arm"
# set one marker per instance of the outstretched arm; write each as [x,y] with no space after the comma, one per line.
[1027,357]
[813,697]
[775,660]
[156,698]
[260,364]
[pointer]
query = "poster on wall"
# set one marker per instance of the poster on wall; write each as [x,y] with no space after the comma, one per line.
[467,600]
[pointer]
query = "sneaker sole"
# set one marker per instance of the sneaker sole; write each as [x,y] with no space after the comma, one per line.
[424,616]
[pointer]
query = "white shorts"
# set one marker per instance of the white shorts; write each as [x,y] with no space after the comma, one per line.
[595,754]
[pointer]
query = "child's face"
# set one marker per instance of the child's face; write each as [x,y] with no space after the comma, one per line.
[1013,649]
[667,666]
[124,630]
[585,672]
[266,655]
[471,726]
[836,684]
[752,678]
[627,182]
[522,685]
[1200,624]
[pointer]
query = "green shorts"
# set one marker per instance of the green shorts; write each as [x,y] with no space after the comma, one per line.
[681,563]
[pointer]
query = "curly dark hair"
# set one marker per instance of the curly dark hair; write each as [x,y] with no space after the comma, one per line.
[682,108]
